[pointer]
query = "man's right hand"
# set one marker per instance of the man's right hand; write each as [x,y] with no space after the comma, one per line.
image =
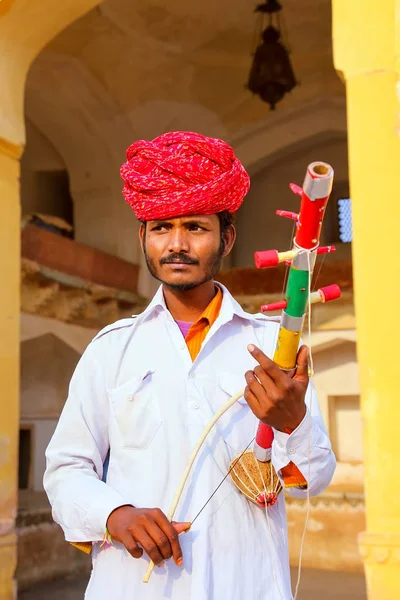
[149,530]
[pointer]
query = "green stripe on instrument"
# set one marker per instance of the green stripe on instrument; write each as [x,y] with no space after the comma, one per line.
[297,292]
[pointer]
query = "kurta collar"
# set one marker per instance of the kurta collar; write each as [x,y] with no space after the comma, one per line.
[229,308]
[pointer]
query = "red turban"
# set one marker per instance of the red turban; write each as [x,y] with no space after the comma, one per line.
[182,173]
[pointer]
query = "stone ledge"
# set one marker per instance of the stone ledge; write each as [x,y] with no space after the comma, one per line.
[329,500]
[70,257]
[49,293]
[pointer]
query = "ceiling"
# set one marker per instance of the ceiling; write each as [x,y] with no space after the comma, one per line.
[194,58]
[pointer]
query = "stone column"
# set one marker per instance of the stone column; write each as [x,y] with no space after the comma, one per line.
[9,360]
[364,40]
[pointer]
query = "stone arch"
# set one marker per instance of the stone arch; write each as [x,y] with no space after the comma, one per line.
[283,130]
[43,21]
[83,122]
[271,176]
[44,181]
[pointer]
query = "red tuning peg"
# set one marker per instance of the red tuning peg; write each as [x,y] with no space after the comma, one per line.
[325,249]
[330,292]
[296,189]
[287,214]
[271,258]
[266,258]
[274,306]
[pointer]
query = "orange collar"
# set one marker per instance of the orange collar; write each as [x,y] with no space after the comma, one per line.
[198,331]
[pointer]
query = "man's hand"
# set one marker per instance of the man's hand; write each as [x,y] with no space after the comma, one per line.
[147,529]
[275,397]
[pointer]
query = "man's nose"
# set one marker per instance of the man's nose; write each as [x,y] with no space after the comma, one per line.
[178,241]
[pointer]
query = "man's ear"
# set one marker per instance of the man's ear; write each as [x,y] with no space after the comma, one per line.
[229,239]
[142,235]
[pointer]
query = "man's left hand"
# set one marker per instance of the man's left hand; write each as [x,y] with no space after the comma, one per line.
[276,397]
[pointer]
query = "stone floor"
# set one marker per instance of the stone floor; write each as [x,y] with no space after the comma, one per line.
[315,585]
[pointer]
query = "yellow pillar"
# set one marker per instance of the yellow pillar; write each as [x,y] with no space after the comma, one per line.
[364,40]
[9,361]
[25,28]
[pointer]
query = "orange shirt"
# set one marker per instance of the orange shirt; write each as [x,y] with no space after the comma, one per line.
[198,331]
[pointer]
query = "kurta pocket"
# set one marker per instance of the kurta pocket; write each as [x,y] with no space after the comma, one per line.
[136,410]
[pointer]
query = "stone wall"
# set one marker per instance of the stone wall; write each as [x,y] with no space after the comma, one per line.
[43,553]
[334,523]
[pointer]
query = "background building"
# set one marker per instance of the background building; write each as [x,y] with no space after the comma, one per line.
[94,78]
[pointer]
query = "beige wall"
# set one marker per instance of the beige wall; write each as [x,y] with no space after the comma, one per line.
[50,351]
[47,364]
[337,383]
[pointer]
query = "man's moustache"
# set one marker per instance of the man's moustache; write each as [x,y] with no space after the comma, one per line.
[181,259]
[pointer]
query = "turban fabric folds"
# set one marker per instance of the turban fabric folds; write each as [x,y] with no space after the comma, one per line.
[182,173]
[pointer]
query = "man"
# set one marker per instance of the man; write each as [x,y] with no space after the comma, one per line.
[146,387]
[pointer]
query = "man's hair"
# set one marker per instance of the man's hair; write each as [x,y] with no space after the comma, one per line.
[226,219]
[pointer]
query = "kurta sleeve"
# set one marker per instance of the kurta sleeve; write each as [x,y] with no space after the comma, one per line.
[81,502]
[309,448]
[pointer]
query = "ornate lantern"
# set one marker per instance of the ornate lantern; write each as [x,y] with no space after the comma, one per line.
[271,75]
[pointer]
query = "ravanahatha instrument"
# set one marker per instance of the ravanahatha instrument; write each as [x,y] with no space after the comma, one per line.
[253,473]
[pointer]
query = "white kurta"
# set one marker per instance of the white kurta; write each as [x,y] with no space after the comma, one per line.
[137,392]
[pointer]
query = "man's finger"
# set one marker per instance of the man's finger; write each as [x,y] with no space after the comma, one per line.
[266,381]
[162,537]
[131,545]
[181,527]
[171,533]
[149,545]
[268,365]
[260,385]
[302,365]
[252,402]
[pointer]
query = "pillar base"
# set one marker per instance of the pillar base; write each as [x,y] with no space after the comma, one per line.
[381,555]
[8,563]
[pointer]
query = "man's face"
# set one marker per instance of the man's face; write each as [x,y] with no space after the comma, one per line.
[185,252]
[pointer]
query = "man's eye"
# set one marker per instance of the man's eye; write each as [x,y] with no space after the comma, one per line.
[195,228]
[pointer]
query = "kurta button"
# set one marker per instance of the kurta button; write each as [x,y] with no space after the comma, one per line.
[291,450]
[196,406]
[192,375]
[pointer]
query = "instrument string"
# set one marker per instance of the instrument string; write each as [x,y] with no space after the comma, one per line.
[321,264]
[310,372]
[232,467]
[311,361]
[270,541]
